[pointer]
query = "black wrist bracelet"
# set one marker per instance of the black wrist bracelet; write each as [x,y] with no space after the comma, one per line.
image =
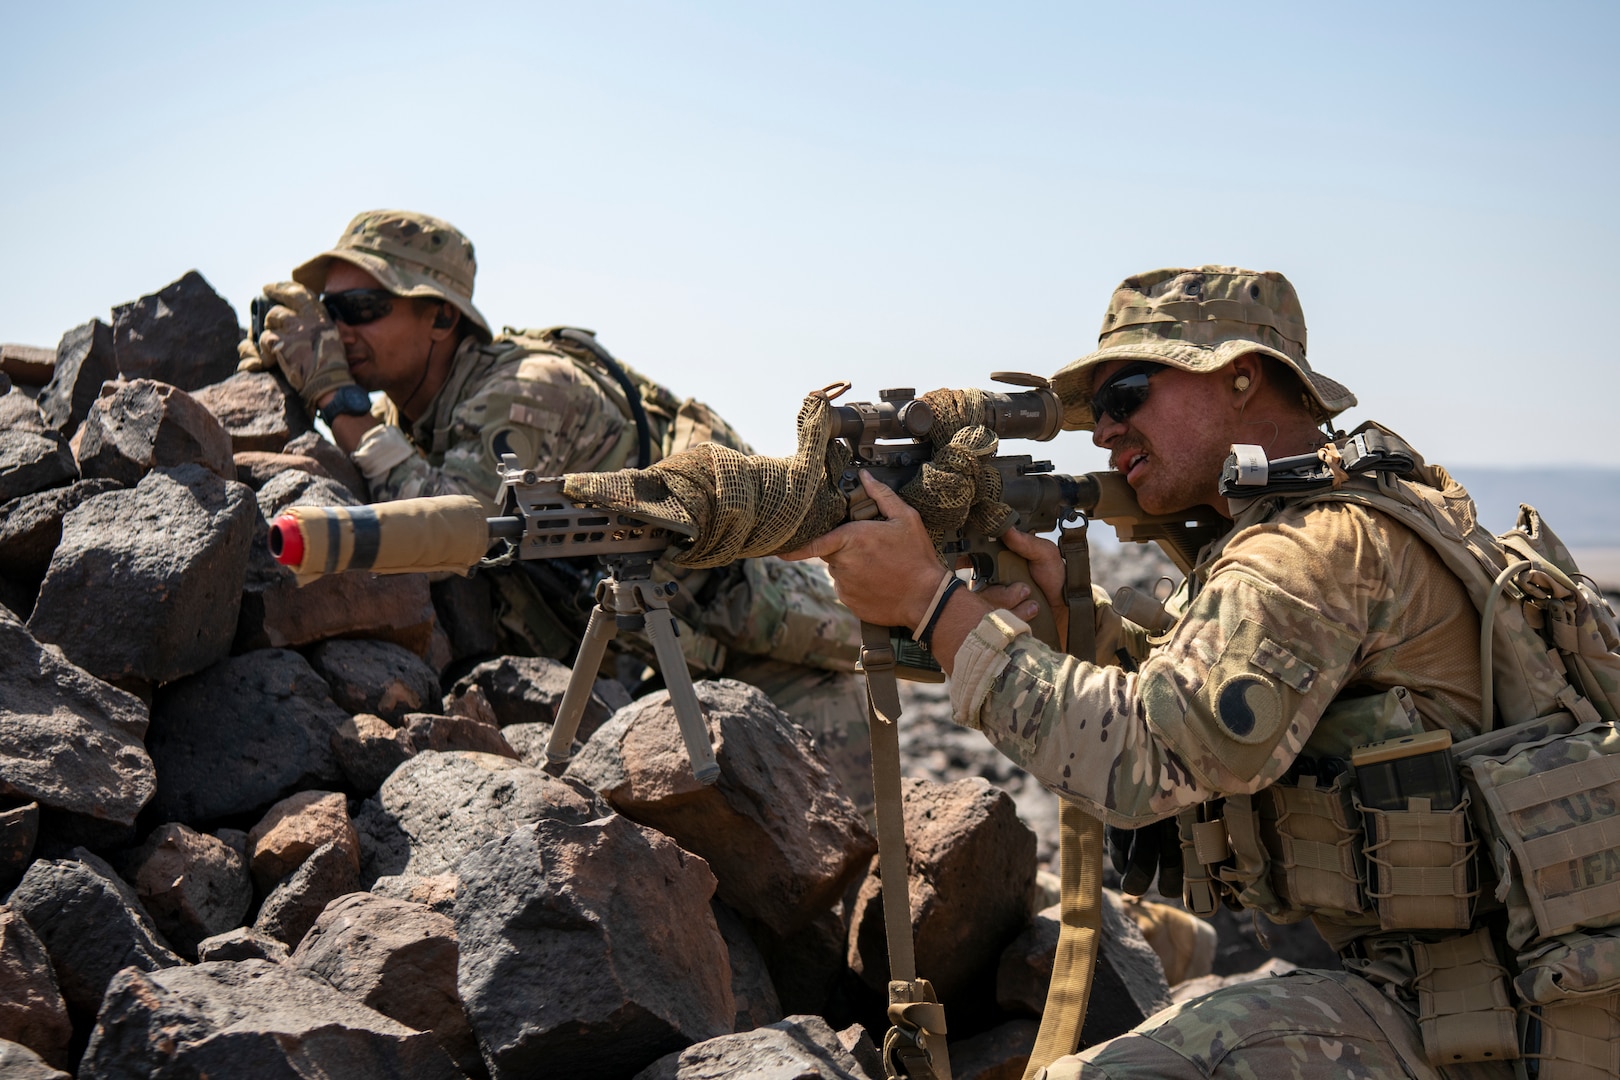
[927,634]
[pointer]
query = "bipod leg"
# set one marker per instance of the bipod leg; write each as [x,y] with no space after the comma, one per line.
[592,647]
[688,712]
[914,1046]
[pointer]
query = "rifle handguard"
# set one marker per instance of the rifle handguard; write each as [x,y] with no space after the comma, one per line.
[411,536]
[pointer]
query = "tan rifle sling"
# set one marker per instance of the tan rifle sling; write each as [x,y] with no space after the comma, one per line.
[1080,853]
[915,1044]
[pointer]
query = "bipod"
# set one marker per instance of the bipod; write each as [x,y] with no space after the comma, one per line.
[628,599]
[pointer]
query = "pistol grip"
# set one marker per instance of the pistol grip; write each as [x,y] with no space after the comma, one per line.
[1010,568]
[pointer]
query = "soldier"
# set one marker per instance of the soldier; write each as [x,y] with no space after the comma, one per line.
[1310,628]
[390,309]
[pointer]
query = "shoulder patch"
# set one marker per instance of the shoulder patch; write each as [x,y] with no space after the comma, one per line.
[1248,707]
[504,439]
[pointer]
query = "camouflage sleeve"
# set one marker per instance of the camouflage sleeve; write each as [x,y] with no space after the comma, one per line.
[786,611]
[1224,707]
[539,407]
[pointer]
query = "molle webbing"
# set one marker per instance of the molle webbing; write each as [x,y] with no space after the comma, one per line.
[1464,1011]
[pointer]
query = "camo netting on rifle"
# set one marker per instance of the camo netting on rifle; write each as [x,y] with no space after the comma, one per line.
[742,505]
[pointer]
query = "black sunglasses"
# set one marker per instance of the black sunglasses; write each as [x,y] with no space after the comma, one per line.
[1124,391]
[356,307]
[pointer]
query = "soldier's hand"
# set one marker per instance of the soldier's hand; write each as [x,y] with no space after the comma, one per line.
[304,343]
[248,358]
[885,570]
[1140,855]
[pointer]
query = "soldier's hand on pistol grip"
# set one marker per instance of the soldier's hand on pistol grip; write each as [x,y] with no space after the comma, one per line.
[304,342]
[1140,855]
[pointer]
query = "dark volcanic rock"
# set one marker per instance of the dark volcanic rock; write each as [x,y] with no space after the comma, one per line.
[250,1019]
[429,732]
[18,1062]
[91,923]
[184,335]
[294,905]
[243,943]
[19,412]
[368,750]
[400,959]
[335,462]
[293,829]
[466,610]
[751,986]
[29,365]
[68,741]
[258,410]
[31,526]
[237,737]
[193,885]
[32,1011]
[972,865]
[437,807]
[1127,983]
[33,461]
[777,829]
[528,689]
[84,360]
[998,1054]
[135,427]
[377,677]
[588,949]
[801,1047]
[146,583]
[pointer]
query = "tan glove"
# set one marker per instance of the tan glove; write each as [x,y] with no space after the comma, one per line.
[248,358]
[304,342]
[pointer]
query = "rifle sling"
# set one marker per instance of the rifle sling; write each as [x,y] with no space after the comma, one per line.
[1080,853]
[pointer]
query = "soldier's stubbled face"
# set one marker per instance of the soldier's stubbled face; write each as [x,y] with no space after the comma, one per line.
[388,353]
[1171,447]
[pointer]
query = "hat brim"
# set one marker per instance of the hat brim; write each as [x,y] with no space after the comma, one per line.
[312,276]
[1073,382]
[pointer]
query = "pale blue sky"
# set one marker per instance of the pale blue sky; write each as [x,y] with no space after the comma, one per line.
[749,201]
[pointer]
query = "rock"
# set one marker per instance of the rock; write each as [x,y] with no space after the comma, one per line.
[239,736]
[377,677]
[31,525]
[398,958]
[19,831]
[135,427]
[296,488]
[1127,983]
[776,828]
[146,583]
[807,965]
[442,733]
[971,868]
[855,1039]
[473,705]
[184,335]
[368,750]
[291,830]
[256,468]
[29,365]
[998,1054]
[528,742]
[466,610]
[436,892]
[1208,984]
[68,741]
[20,1063]
[588,949]
[751,986]
[84,360]
[528,689]
[250,1019]
[193,885]
[19,412]
[32,1011]
[257,409]
[294,905]
[797,1048]
[32,461]
[91,924]
[335,462]
[439,806]
[243,943]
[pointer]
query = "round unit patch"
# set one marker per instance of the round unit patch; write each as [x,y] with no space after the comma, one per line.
[1248,708]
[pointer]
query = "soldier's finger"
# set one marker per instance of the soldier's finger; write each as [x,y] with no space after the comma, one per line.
[290,293]
[892,505]
[819,548]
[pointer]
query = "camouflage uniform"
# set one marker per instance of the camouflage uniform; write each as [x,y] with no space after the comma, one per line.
[1288,626]
[544,398]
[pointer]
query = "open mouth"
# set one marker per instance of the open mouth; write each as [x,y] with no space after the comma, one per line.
[1129,464]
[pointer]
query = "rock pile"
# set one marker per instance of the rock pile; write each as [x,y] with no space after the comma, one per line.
[250,829]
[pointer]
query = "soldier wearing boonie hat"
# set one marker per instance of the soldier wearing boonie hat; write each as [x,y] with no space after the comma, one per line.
[390,308]
[1324,619]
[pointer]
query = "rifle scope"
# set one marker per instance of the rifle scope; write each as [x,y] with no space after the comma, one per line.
[900,414]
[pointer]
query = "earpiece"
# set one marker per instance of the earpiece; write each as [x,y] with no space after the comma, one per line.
[1241,383]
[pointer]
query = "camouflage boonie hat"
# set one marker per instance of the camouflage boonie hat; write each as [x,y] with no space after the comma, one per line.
[1198,320]
[409,255]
